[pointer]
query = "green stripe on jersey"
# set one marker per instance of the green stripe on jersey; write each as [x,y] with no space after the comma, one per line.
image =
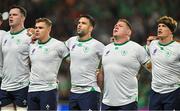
[15,33]
[85,40]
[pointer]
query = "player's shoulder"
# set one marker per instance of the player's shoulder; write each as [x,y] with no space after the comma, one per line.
[154,42]
[2,31]
[109,45]
[23,35]
[177,43]
[133,43]
[56,41]
[135,46]
[97,42]
[73,38]
[23,32]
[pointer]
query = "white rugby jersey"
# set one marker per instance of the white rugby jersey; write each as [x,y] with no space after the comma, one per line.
[165,66]
[2,34]
[85,57]
[15,50]
[46,59]
[121,63]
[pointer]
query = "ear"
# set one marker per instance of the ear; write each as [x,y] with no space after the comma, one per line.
[49,29]
[91,28]
[23,18]
[129,32]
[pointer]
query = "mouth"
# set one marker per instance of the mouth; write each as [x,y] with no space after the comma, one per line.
[115,30]
[159,32]
[78,29]
[37,34]
[10,21]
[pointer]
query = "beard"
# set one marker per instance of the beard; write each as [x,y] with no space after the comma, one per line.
[81,33]
[162,36]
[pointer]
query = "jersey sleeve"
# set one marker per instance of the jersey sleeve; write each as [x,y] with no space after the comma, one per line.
[100,48]
[143,56]
[67,43]
[63,50]
[2,34]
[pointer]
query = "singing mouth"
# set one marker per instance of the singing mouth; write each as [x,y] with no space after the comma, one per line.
[10,21]
[159,32]
[115,30]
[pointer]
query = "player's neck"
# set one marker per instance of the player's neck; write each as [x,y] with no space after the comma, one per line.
[85,37]
[166,40]
[44,40]
[17,28]
[121,40]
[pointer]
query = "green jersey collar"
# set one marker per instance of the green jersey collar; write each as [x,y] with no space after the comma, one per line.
[166,43]
[15,33]
[39,42]
[85,40]
[120,44]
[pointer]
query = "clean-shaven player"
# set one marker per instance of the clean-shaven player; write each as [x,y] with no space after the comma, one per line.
[85,55]
[165,58]
[46,55]
[15,72]
[121,62]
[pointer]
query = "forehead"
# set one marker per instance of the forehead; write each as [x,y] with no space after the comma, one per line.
[121,23]
[40,24]
[84,19]
[14,10]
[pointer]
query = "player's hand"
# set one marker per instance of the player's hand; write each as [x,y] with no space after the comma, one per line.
[150,38]
[31,33]
[97,71]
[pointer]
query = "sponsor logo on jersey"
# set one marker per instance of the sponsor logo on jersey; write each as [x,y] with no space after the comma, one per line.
[73,47]
[18,41]
[33,51]
[86,49]
[107,52]
[124,52]
[5,42]
[154,51]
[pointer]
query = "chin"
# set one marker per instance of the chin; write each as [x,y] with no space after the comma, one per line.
[162,36]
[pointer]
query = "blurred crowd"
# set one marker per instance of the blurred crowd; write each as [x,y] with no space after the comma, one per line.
[141,13]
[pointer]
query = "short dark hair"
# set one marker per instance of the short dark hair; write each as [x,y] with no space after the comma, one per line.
[127,22]
[1,18]
[169,22]
[90,18]
[45,20]
[22,9]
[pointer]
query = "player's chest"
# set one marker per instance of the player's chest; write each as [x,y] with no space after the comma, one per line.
[163,54]
[82,49]
[119,55]
[14,44]
[42,52]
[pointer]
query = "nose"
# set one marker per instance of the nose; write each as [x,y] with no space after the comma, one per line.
[37,30]
[79,25]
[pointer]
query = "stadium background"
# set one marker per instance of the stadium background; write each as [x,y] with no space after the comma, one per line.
[142,14]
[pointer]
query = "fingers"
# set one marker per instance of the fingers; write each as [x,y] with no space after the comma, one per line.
[30,31]
[150,38]
[97,71]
